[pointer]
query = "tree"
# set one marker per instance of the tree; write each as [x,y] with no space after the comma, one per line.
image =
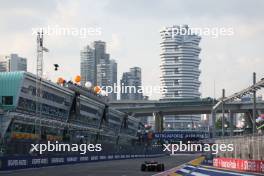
[218,123]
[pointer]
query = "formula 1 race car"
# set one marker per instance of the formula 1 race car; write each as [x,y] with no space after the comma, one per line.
[152,166]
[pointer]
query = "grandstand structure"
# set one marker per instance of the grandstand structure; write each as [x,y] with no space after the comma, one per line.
[70,113]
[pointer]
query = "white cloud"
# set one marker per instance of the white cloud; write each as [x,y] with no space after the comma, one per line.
[114,44]
[131,30]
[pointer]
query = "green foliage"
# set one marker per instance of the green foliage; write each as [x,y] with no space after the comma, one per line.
[218,123]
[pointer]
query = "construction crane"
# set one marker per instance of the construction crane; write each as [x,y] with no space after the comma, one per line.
[40,50]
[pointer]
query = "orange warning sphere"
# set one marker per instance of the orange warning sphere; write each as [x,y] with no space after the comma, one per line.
[97,89]
[77,79]
[60,80]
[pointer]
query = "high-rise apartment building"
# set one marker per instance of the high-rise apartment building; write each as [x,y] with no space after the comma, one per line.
[180,72]
[132,79]
[17,63]
[113,77]
[12,62]
[88,65]
[4,63]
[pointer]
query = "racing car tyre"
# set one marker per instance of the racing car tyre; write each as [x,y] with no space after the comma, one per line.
[162,167]
[143,167]
[159,167]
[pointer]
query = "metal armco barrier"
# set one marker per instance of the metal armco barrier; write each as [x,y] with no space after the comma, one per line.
[11,163]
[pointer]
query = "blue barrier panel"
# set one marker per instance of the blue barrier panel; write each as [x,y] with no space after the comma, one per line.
[22,162]
[208,162]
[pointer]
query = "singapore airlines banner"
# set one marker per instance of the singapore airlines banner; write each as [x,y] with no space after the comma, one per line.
[182,135]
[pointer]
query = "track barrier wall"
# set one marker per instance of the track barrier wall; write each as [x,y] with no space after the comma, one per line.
[240,164]
[12,163]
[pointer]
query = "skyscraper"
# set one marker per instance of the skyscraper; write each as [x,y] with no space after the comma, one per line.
[113,77]
[13,63]
[132,79]
[17,63]
[100,51]
[88,65]
[180,71]
[97,67]
[4,63]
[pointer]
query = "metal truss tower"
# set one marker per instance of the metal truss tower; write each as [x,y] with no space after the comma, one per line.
[40,50]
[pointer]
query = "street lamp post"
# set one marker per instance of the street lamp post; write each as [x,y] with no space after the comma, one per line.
[254,106]
[223,114]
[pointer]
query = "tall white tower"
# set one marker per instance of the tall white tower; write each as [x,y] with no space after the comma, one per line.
[180,71]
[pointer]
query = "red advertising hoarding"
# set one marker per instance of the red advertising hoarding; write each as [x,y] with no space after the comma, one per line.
[239,164]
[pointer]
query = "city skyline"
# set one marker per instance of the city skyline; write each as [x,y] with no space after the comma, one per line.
[239,55]
[97,67]
[163,87]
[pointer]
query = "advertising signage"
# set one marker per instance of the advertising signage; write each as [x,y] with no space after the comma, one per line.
[181,135]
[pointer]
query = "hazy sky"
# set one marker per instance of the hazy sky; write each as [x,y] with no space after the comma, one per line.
[131,30]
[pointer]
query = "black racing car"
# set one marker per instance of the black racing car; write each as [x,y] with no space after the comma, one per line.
[152,166]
